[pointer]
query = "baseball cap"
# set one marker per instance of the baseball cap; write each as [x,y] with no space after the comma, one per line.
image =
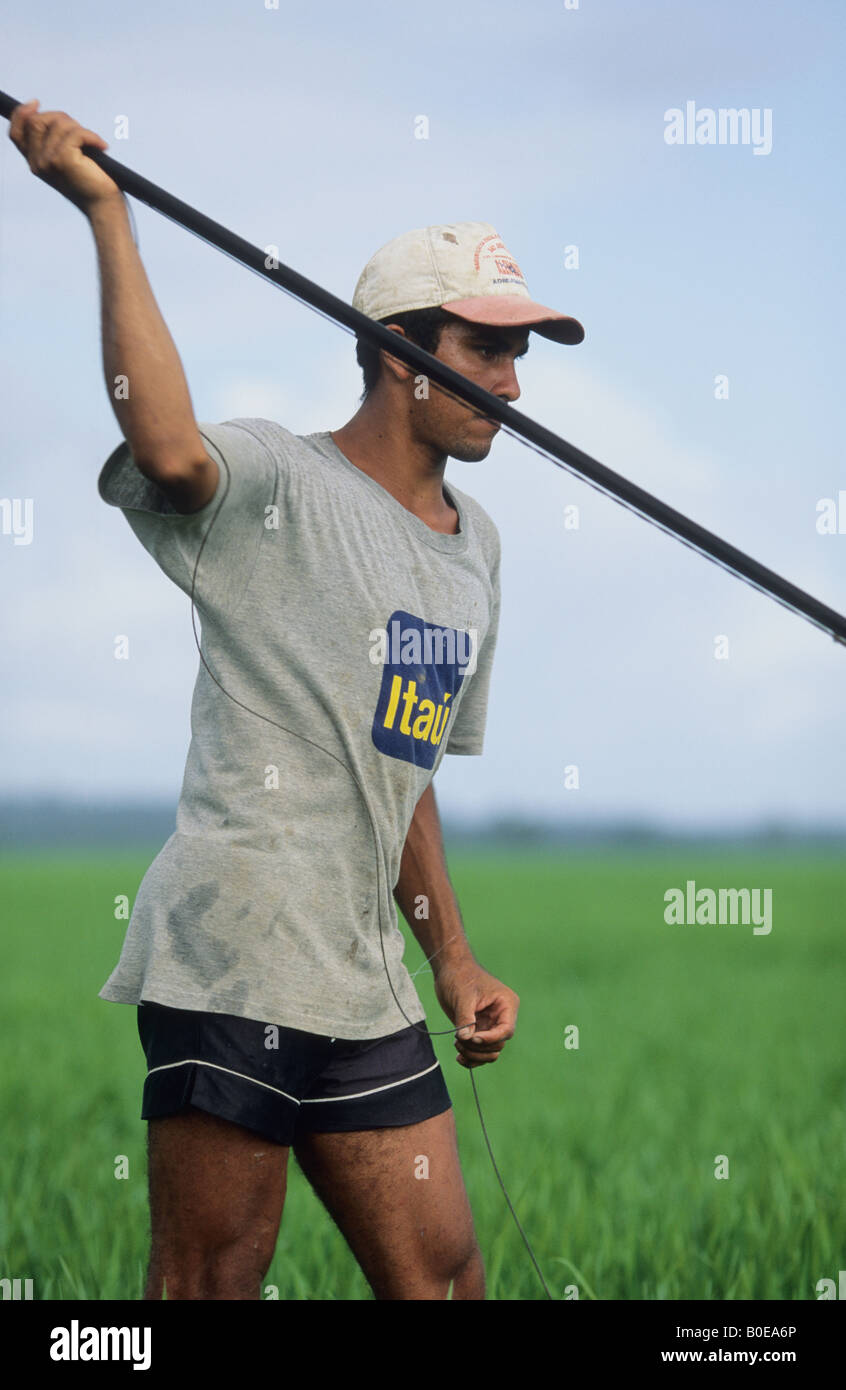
[464,268]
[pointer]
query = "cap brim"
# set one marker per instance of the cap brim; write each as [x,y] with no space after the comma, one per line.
[515,311]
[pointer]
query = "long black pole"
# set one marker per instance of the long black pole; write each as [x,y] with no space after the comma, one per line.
[706,542]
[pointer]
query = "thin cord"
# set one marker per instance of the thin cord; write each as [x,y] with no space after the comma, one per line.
[380,876]
[502,1185]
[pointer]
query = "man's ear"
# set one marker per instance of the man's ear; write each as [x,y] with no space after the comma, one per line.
[392,364]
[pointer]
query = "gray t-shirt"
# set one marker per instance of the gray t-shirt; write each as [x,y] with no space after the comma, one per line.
[330,609]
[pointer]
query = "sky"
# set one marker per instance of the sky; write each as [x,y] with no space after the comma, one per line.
[709,279]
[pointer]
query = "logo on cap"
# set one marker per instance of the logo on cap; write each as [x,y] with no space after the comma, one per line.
[493,248]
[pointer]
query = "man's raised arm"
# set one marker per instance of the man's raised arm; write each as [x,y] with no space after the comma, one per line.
[153,409]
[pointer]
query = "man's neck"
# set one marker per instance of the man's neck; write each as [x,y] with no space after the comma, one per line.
[382,446]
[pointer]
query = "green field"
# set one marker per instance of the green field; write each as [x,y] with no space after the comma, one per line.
[695,1042]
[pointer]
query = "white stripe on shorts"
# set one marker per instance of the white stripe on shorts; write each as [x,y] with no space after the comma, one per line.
[317,1100]
[196,1062]
[326,1100]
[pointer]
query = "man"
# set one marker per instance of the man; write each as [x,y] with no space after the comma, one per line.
[349,604]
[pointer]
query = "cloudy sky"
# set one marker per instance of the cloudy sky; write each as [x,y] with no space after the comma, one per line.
[295,126]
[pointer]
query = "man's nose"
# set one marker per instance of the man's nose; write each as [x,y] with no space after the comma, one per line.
[509,387]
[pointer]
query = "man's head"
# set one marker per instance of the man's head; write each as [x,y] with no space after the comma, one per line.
[458,293]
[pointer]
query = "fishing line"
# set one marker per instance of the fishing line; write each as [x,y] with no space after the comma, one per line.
[381,875]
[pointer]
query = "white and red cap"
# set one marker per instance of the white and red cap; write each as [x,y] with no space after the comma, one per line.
[464,268]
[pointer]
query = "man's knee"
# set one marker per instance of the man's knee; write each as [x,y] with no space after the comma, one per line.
[457,1262]
[222,1269]
[467,1272]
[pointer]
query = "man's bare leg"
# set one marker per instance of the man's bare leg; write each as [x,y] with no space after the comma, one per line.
[411,1234]
[217,1192]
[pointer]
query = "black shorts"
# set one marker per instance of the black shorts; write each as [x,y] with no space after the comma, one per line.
[282,1082]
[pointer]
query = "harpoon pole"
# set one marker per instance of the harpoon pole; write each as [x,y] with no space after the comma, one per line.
[651,508]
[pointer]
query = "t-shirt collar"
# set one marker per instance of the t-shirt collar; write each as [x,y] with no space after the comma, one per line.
[438,540]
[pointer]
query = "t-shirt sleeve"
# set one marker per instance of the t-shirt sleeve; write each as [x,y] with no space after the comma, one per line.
[467,735]
[220,541]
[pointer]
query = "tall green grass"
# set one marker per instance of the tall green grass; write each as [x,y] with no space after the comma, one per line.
[694,1042]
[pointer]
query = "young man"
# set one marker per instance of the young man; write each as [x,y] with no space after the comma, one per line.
[349,604]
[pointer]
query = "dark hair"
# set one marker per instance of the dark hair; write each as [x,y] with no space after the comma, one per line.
[422,326]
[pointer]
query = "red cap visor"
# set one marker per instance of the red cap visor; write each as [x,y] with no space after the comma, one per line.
[515,311]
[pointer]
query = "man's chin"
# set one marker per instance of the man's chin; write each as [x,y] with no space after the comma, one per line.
[471,451]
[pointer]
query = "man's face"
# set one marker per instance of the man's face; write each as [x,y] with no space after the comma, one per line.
[486,355]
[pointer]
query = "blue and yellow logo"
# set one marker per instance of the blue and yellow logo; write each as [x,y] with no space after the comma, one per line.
[423,668]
